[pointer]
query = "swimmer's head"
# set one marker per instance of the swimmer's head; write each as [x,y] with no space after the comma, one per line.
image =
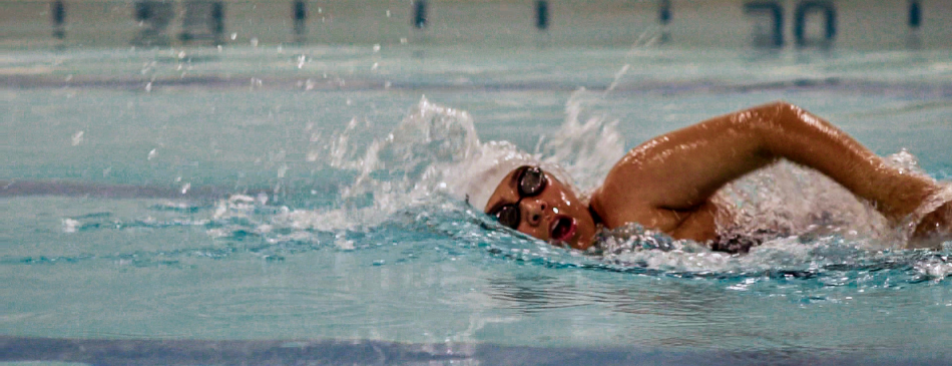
[536,203]
[525,194]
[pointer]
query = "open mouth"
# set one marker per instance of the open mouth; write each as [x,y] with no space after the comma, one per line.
[562,229]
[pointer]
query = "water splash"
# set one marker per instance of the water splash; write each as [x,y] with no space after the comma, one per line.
[424,159]
[402,169]
[786,199]
[587,145]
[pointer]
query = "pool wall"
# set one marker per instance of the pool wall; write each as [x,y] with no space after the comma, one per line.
[858,24]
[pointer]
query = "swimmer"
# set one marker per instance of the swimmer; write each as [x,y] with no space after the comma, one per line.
[668,182]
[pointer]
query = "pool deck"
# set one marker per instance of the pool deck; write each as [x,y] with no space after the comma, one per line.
[862,24]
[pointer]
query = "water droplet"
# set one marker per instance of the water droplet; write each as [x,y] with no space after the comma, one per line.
[377,47]
[152,154]
[312,156]
[374,67]
[301,60]
[186,187]
[388,13]
[344,244]
[70,225]
[234,36]
[78,138]
[148,87]
[262,198]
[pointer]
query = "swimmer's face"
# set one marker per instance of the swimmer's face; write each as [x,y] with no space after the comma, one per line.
[535,203]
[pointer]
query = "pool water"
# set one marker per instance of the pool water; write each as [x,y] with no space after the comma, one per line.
[273,195]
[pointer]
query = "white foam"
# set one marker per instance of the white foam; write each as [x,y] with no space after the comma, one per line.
[587,149]
[786,199]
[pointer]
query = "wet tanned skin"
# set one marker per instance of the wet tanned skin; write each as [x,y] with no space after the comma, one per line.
[667,182]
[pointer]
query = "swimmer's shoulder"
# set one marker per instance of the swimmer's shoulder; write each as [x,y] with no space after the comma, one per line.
[618,209]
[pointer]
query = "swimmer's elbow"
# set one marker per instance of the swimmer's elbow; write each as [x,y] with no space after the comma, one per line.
[781,108]
[782,104]
[770,125]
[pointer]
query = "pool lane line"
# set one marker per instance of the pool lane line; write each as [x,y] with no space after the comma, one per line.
[175,352]
[918,89]
[24,188]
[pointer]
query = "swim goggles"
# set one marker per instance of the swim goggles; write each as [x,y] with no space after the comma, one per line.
[531,183]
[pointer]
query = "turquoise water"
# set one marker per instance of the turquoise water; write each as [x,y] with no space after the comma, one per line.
[251,194]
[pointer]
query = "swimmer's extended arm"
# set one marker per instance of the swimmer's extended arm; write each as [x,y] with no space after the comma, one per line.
[667,180]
